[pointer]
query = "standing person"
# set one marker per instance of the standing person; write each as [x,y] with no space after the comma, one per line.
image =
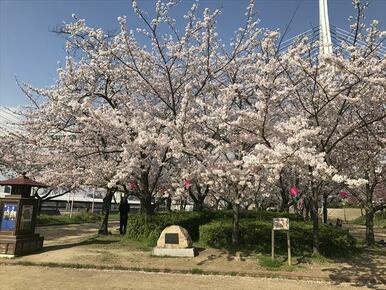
[123,215]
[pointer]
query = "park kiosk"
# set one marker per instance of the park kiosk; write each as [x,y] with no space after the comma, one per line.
[18,218]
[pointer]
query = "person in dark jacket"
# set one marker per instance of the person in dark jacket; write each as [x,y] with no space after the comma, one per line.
[123,215]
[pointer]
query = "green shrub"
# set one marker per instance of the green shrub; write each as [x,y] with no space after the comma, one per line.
[268,263]
[148,228]
[256,215]
[256,235]
[197,271]
[216,234]
[336,241]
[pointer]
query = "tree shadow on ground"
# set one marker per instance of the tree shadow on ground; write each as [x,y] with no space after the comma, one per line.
[239,255]
[365,269]
[208,259]
[91,241]
[211,257]
[198,250]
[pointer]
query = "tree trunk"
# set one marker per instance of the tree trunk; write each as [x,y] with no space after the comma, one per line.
[370,227]
[315,223]
[198,200]
[284,206]
[369,213]
[181,203]
[314,216]
[257,204]
[325,210]
[236,226]
[198,206]
[145,197]
[147,207]
[217,204]
[307,206]
[169,204]
[198,203]
[39,208]
[103,229]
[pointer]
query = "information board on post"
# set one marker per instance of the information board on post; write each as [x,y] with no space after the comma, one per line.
[281,224]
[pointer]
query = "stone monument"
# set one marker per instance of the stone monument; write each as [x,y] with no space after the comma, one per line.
[174,241]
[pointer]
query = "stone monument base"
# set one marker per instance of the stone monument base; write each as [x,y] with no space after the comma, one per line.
[188,252]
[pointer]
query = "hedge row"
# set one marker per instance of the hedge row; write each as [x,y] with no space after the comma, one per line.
[256,235]
[148,228]
[256,215]
[214,229]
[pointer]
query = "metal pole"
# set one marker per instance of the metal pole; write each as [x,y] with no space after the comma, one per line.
[72,203]
[325,44]
[68,202]
[92,205]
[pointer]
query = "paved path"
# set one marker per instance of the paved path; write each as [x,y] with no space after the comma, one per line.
[19,277]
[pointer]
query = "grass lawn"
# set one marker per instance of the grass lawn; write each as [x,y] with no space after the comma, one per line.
[110,248]
[115,241]
[78,218]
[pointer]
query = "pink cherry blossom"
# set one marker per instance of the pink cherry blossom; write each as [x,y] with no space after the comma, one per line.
[343,195]
[187,183]
[294,191]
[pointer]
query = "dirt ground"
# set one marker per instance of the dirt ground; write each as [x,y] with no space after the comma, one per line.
[345,214]
[77,246]
[72,233]
[360,231]
[19,277]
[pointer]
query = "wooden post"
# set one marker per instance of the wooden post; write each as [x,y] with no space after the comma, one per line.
[273,245]
[281,224]
[289,247]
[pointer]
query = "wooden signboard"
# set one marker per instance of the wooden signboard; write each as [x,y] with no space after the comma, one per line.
[281,224]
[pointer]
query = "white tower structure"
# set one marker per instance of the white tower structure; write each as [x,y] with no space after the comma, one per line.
[325,44]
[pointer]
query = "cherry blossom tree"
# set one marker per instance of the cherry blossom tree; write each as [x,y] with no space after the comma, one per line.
[188,114]
[340,94]
[364,154]
[239,131]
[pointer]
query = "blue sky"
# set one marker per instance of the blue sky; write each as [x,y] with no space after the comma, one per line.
[31,52]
